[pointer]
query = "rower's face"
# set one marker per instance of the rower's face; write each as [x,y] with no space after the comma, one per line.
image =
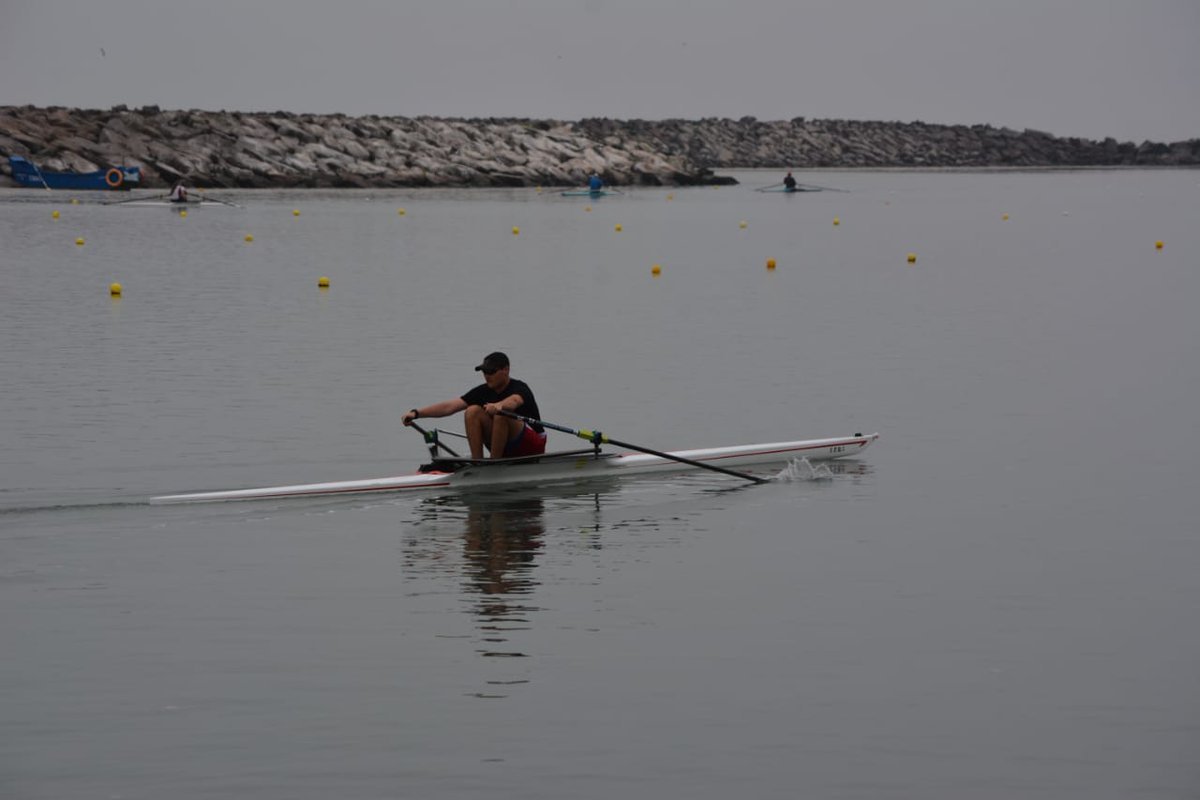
[497,379]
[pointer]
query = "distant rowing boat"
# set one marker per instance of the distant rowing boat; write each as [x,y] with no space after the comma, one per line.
[151,203]
[162,201]
[586,193]
[786,190]
[571,465]
[120,178]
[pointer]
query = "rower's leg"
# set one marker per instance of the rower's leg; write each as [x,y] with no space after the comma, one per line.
[503,429]
[479,429]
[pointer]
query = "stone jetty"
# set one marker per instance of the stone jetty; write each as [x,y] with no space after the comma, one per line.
[281,149]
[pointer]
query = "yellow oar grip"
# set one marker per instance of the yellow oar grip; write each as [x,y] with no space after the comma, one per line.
[593,437]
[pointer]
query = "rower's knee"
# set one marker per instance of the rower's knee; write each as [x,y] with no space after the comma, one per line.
[474,413]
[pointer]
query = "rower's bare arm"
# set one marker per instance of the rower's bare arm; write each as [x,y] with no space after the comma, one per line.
[510,404]
[442,409]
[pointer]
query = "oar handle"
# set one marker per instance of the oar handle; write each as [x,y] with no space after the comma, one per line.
[595,437]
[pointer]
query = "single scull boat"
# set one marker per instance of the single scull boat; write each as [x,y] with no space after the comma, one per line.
[571,465]
[172,204]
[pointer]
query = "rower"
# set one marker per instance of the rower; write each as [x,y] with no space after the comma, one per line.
[595,183]
[789,183]
[503,436]
[178,194]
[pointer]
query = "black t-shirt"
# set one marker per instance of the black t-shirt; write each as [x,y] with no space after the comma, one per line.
[529,408]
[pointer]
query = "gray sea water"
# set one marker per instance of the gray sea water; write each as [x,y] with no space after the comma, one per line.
[998,600]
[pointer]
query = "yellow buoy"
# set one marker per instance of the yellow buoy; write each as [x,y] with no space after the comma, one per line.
[74,201]
[743,224]
[516,230]
[587,208]
[837,221]
[1004,216]
[912,258]
[617,227]
[55,214]
[323,282]
[79,241]
[1158,245]
[114,289]
[539,190]
[656,269]
[182,213]
[401,211]
[670,197]
[770,263]
[249,237]
[295,212]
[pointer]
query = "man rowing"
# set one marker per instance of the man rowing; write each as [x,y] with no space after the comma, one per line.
[595,182]
[504,437]
[178,194]
[789,183]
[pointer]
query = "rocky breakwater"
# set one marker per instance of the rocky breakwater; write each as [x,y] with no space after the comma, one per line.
[832,143]
[234,149]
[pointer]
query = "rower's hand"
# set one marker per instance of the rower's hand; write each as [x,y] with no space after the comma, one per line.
[491,408]
[408,418]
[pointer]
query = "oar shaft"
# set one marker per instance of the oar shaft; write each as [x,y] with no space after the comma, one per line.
[432,440]
[596,437]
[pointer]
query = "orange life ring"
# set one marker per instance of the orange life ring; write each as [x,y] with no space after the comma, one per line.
[114,178]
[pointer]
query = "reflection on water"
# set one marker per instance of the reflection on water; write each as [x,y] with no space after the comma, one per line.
[490,547]
[500,543]
[492,542]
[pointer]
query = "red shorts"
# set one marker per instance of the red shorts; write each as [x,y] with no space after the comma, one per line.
[527,443]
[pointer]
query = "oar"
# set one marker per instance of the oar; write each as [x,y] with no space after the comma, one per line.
[825,188]
[596,437]
[218,200]
[432,440]
[135,199]
[765,188]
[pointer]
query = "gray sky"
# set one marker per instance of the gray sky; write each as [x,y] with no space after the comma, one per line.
[1092,68]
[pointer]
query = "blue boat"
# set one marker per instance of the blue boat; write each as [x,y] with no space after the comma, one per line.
[122,178]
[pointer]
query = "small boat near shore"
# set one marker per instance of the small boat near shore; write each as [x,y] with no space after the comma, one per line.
[119,178]
[587,193]
[150,202]
[797,190]
[450,473]
[163,201]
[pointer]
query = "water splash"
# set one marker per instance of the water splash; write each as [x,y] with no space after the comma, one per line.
[801,469]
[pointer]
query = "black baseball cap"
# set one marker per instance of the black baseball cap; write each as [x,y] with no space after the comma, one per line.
[492,362]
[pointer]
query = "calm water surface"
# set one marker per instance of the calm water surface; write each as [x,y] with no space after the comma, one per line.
[998,600]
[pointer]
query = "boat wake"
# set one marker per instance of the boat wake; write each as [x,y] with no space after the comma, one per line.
[801,469]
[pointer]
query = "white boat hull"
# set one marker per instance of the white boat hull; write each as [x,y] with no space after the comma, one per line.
[552,468]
